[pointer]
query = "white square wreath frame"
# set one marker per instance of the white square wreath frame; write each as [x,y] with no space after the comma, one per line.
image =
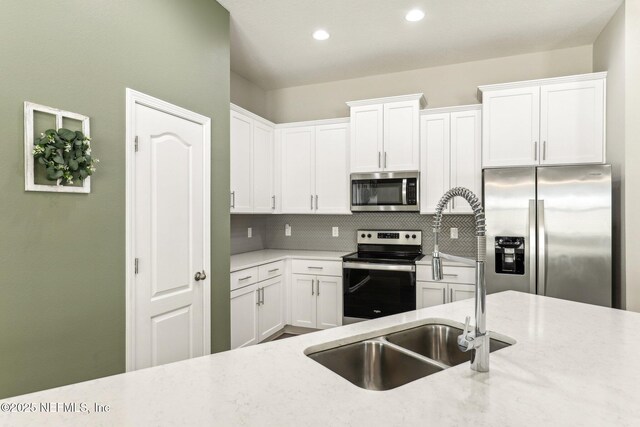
[29,161]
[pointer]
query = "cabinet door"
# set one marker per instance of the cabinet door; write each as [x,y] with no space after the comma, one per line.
[459,292]
[303,300]
[297,184]
[332,169]
[244,323]
[241,136]
[271,311]
[466,169]
[434,170]
[366,138]
[429,294]
[263,195]
[401,136]
[572,122]
[511,127]
[329,304]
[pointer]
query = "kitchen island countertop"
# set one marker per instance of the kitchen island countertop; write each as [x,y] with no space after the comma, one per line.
[572,364]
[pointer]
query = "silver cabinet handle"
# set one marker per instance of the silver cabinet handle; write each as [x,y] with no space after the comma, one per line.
[262,298]
[542,251]
[273,202]
[315,268]
[316,202]
[312,202]
[233,199]
[258,296]
[450,294]
[318,287]
[532,244]
[535,151]
[544,150]
[244,278]
[312,283]
[385,159]
[379,157]
[273,271]
[444,295]
[450,275]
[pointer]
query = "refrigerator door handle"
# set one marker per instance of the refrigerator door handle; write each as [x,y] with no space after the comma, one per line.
[532,246]
[542,250]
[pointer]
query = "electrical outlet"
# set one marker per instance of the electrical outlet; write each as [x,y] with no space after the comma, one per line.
[287,230]
[249,232]
[335,231]
[454,233]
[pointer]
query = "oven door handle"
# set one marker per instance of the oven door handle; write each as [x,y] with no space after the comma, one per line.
[381,267]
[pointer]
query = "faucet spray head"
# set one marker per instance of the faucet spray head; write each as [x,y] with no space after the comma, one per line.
[436,267]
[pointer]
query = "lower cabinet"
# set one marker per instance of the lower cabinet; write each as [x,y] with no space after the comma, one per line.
[429,294]
[257,312]
[316,301]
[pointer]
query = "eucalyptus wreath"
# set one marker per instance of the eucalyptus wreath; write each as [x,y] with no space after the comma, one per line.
[65,154]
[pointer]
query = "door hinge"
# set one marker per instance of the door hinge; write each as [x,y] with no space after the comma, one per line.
[136,144]
[135,265]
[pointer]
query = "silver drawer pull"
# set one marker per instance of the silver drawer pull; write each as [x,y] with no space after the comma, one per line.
[450,275]
[315,268]
[245,278]
[274,270]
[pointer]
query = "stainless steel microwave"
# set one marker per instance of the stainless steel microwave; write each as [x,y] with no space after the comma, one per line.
[385,191]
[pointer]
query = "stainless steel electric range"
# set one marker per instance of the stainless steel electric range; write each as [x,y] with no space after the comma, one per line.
[380,278]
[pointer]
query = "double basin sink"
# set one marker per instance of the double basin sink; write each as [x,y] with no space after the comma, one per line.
[389,361]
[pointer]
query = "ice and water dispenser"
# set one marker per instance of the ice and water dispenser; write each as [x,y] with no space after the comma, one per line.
[509,255]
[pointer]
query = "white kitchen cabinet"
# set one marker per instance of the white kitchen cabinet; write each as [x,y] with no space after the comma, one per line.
[385,134]
[244,316]
[459,291]
[316,301]
[315,168]
[252,163]
[298,169]
[572,122]
[263,192]
[241,136]
[450,157]
[271,307]
[429,294]
[544,122]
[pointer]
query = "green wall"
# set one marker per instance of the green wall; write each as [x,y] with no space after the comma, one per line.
[62,256]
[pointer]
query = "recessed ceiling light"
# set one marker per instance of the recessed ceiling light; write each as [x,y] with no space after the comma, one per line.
[321,35]
[414,15]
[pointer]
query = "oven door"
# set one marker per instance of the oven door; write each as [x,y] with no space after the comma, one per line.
[384,191]
[373,290]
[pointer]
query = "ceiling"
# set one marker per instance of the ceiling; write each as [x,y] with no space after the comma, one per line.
[271,43]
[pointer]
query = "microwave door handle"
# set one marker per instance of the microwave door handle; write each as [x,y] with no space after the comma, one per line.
[404,191]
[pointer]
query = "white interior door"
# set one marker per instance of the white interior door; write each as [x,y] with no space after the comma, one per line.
[170,220]
[332,169]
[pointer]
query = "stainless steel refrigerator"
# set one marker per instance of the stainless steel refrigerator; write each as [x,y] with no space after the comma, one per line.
[549,231]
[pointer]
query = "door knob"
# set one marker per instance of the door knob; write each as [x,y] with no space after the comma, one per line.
[198,276]
[204,275]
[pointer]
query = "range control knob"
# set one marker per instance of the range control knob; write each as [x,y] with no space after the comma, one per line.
[369,235]
[406,236]
[362,235]
[413,236]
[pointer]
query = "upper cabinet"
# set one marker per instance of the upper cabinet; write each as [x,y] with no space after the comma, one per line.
[252,165]
[314,167]
[385,134]
[544,122]
[450,155]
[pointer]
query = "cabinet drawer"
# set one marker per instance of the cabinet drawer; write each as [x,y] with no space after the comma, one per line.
[270,270]
[244,278]
[320,268]
[450,274]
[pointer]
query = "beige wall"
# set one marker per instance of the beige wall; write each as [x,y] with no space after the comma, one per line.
[632,154]
[248,95]
[609,55]
[443,86]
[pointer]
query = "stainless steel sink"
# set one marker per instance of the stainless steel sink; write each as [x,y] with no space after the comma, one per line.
[394,359]
[437,342]
[375,365]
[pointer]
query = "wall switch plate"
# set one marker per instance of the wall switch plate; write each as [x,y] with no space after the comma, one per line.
[249,232]
[454,233]
[287,230]
[335,231]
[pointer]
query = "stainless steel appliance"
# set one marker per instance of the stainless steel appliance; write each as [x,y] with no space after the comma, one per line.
[549,231]
[380,279]
[385,191]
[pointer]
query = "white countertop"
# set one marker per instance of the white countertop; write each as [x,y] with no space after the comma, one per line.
[252,259]
[572,364]
[427,260]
